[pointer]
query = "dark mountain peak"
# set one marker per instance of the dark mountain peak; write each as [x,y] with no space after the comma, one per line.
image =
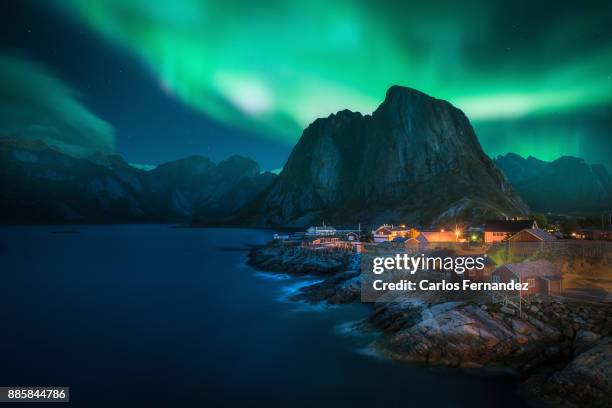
[531,158]
[415,159]
[402,101]
[570,161]
[195,159]
[403,92]
[510,156]
[43,185]
[349,114]
[108,160]
[334,120]
[238,167]
[345,114]
[237,161]
[567,184]
[190,164]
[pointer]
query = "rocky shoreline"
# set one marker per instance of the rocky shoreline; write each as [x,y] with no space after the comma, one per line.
[562,350]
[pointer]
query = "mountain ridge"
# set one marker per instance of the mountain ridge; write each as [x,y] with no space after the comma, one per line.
[348,168]
[43,185]
[567,184]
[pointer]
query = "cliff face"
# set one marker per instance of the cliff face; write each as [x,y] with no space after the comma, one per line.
[41,185]
[568,184]
[416,159]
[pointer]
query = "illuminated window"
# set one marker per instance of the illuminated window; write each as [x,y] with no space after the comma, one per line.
[531,283]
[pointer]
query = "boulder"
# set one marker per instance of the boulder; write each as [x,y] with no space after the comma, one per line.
[586,380]
[585,339]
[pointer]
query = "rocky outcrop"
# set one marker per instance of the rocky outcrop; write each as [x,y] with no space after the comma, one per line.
[340,288]
[42,185]
[561,349]
[339,270]
[586,380]
[568,184]
[416,159]
[456,334]
[276,257]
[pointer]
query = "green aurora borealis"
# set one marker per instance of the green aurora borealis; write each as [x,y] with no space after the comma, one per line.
[515,68]
[35,104]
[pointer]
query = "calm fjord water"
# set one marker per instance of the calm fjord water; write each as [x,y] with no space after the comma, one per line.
[146,315]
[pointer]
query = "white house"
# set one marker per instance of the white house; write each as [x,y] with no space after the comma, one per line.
[320,231]
[388,232]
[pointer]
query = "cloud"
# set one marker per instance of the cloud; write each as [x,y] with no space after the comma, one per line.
[36,105]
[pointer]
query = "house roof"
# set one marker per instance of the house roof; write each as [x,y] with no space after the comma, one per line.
[541,268]
[393,228]
[418,239]
[509,225]
[439,236]
[538,233]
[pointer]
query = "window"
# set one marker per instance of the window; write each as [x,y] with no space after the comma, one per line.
[531,283]
[496,279]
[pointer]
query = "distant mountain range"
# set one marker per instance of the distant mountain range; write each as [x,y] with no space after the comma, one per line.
[416,159]
[567,185]
[41,185]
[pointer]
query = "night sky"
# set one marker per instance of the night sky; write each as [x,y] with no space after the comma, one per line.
[159,80]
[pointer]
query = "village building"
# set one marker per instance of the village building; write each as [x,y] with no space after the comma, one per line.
[532,235]
[419,240]
[331,243]
[320,231]
[542,276]
[595,234]
[439,236]
[353,236]
[390,232]
[320,241]
[482,275]
[425,238]
[501,230]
